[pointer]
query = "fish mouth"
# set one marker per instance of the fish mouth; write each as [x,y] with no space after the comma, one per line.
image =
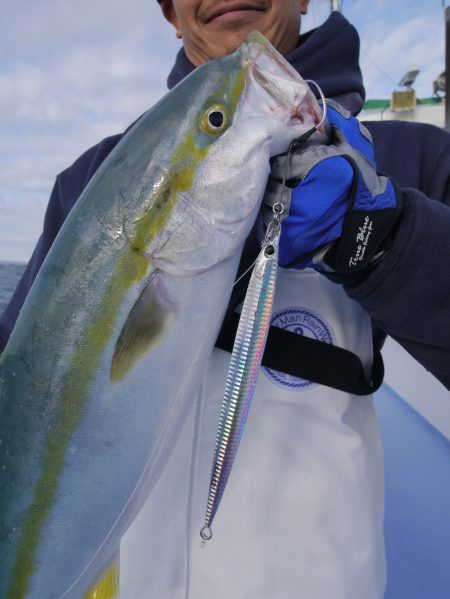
[224,9]
[285,90]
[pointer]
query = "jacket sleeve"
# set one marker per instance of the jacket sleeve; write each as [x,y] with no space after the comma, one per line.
[407,293]
[67,189]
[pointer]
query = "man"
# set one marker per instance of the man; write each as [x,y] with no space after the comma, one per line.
[303,511]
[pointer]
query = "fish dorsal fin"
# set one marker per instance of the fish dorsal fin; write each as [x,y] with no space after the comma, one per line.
[107,587]
[143,327]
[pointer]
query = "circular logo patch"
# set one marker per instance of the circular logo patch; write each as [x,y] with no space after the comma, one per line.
[303,322]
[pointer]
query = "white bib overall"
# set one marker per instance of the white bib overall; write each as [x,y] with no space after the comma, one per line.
[302,514]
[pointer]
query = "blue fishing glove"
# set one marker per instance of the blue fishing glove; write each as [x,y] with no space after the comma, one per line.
[340,209]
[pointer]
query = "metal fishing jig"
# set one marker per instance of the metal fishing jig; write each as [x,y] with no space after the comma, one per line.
[244,365]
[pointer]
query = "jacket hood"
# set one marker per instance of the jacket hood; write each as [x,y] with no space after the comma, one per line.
[329,55]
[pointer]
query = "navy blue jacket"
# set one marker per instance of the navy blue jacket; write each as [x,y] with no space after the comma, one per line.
[406,294]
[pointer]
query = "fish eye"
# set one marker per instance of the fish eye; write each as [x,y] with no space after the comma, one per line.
[215,119]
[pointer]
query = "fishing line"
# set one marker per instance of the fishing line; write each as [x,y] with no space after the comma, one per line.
[277,204]
[291,148]
[391,79]
[324,102]
[296,142]
[244,273]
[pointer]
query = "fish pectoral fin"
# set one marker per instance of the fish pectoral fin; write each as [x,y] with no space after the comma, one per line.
[107,586]
[143,327]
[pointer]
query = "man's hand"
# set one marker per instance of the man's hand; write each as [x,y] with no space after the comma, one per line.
[341,211]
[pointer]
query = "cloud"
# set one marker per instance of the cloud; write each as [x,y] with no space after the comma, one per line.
[394,36]
[417,43]
[38,28]
[76,72]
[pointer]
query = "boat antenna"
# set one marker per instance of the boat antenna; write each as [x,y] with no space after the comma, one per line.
[447,68]
[335,5]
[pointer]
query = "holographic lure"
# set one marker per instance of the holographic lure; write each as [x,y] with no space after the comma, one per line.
[245,362]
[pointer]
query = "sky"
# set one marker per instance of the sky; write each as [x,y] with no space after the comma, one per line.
[72,73]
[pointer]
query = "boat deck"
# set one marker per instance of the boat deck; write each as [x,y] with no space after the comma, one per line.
[417,524]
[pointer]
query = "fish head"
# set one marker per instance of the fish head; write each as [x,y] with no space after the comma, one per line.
[276,92]
[256,104]
[205,148]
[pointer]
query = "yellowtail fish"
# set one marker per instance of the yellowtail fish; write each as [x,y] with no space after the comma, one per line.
[112,343]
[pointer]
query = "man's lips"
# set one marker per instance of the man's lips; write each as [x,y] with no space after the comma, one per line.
[227,12]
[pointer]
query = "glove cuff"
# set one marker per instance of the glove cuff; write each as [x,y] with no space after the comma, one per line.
[365,238]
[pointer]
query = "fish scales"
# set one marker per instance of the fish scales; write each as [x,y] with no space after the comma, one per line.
[136,284]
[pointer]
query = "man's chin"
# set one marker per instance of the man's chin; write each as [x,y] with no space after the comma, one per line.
[227,42]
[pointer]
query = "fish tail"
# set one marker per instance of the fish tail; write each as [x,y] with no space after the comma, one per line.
[107,586]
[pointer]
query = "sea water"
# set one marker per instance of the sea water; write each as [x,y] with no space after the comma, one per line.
[10,273]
